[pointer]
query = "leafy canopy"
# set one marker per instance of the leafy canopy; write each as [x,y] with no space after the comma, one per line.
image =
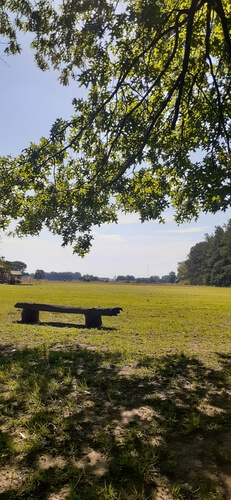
[153,129]
[209,262]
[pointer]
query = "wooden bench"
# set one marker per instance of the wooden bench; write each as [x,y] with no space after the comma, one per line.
[30,312]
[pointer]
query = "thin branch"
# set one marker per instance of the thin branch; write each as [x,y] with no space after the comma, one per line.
[191,13]
[157,80]
[218,7]
[220,115]
[1,59]
[146,136]
[208,31]
[204,94]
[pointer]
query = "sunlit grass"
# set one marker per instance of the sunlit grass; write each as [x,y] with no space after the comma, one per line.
[136,409]
[155,319]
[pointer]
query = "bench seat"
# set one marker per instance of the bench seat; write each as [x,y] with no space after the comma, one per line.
[30,312]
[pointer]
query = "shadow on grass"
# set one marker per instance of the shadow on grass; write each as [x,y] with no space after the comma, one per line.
[78,424]
[59,324]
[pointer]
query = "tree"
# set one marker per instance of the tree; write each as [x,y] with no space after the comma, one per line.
[172,277]
[63,276]
[4,271]
[169,278]
[209,262]
[182,272]
[16,265]
[154,279]
[157,80]
[39,274]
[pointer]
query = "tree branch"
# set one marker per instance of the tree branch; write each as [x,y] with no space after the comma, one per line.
[120,82]
[208,31]
[191,13]
[157,80]
[146,136]
[221,115]
[218,7]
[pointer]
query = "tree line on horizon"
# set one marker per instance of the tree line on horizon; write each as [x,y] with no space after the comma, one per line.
[167,278]
[209,262]
[40,274]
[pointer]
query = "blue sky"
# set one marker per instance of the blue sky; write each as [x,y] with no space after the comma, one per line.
[30,102]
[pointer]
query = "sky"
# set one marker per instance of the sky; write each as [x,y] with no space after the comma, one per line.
[30,102]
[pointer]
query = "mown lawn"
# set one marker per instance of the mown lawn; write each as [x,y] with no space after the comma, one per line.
[140,409]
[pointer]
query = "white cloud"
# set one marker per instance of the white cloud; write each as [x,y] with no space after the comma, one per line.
[199,229]
[107,237]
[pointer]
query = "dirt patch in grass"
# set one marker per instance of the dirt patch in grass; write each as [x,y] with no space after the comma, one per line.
[11,477]
[63,493]
[45,462]
[93,462]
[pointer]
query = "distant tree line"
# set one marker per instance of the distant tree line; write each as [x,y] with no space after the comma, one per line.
[168,278]
[62,276]
[209,262]
[40,274]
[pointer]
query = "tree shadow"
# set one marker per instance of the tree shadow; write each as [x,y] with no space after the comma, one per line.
[79,419]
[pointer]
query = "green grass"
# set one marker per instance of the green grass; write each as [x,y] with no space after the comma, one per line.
[139,409]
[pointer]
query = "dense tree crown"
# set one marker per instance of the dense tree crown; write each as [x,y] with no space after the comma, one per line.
[16,265]
[39,274]
[209,262]
[153,129]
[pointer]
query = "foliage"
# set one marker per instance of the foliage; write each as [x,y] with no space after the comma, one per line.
[128,277]
[182,272]
[4,271]
[168,278]
[156,84]
[16,265]
[209,262]
[39,274]
[60,276]
[6,266]
[90,277]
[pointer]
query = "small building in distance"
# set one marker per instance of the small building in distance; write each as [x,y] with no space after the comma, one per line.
[15,277]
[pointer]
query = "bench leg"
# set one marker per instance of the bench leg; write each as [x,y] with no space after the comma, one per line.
[30,316]
[93,319]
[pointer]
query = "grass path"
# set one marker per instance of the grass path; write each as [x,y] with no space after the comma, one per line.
[137,410]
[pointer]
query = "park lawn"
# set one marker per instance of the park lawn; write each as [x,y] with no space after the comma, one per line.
[139,409]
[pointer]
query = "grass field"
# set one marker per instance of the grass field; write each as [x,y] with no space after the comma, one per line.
[140,409]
